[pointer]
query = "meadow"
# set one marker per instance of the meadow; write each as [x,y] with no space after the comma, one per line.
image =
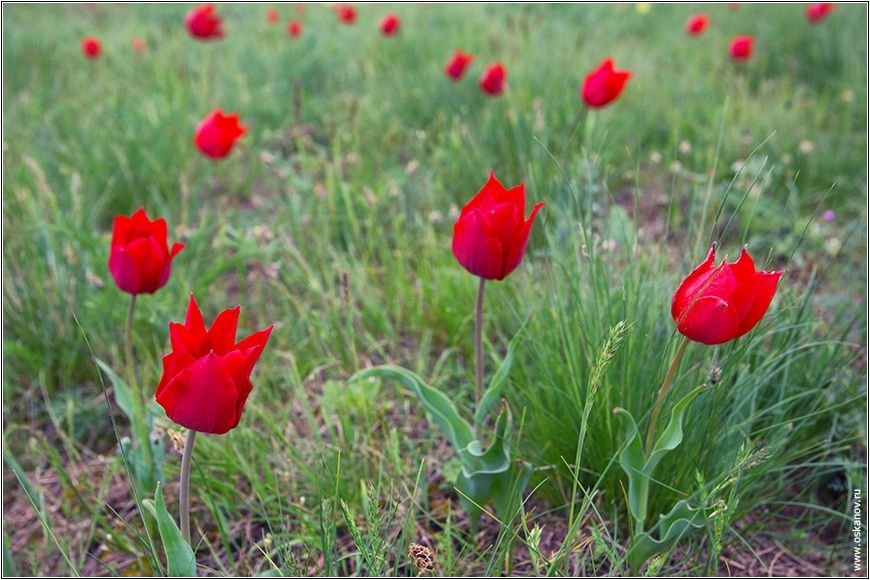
[332,219]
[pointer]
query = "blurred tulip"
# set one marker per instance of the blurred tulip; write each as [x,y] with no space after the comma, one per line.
[716,304]
[138,45]
[91,47]
[741,47]
[697,24]
[491,234]
[140,259]
[455,69]
[390,25]
[217,133]
[294,28]
[346,13]
[818,12]
[273,16]
[203,23]
[492,81]
[603,85]
[207,375]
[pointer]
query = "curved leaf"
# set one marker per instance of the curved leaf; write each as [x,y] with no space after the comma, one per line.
[671,527]
[180,559]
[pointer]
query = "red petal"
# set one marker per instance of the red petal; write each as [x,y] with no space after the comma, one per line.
[518,249]
[193,320]
[255,343]
[488,195]
[681,298]
[763,287]
[222,334]
[476,248]
[709,320]
[202,397]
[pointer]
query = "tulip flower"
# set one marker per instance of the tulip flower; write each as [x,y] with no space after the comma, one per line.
[741,47]
[603,85]
[390,25]
[346,13]
[716,304]
[91,47]
[203,23]
[697,24]
[272,16]
[818,12]
[491,234]
[455,68]
[206,378]
[492,81]
[141,260]
[206,382]
[138,45]
[294,28]
[217,133]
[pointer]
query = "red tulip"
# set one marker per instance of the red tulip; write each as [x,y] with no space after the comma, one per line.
[346,13]
[294,28]
[818,12]
[491,234]
[492,81]
[734,6]
[217,133]
[741,47]
[715,304]
[272,16]
[697,24]
[299,9]
[207,376]
[603,85]
[203,23]
[390,25]
[455,69]
[91,47]
[138,45]
[140,260]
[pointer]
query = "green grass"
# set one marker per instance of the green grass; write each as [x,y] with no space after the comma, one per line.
[340,234]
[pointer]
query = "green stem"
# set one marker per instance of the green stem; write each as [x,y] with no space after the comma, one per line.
[478,342]
[140,421]
[184,485]
[663,391]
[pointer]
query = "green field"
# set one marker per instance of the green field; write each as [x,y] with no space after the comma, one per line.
[333,218]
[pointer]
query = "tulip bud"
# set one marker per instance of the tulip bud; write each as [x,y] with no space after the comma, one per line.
[203,23]
[217,133]
[716,304]
[207,376]
[140,260]
[492,81]
[603,85]
[455,68]
[491,234]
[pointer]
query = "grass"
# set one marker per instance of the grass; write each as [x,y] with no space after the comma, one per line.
[333,220]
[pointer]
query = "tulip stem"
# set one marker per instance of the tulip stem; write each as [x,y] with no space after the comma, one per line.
[663,391]
[478,342]
[184,486]
[139,422]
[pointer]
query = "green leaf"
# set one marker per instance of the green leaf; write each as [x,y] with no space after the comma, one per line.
[496,385]
[640,469]
[671,527]
[123,394]
[632,461]
[436,403]
[180,559]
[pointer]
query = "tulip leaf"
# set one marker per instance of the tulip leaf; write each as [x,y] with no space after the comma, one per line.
[493,392]
[671,527]
[123,394]
[634,462]
[180,559]
[496,458]
[436,403]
